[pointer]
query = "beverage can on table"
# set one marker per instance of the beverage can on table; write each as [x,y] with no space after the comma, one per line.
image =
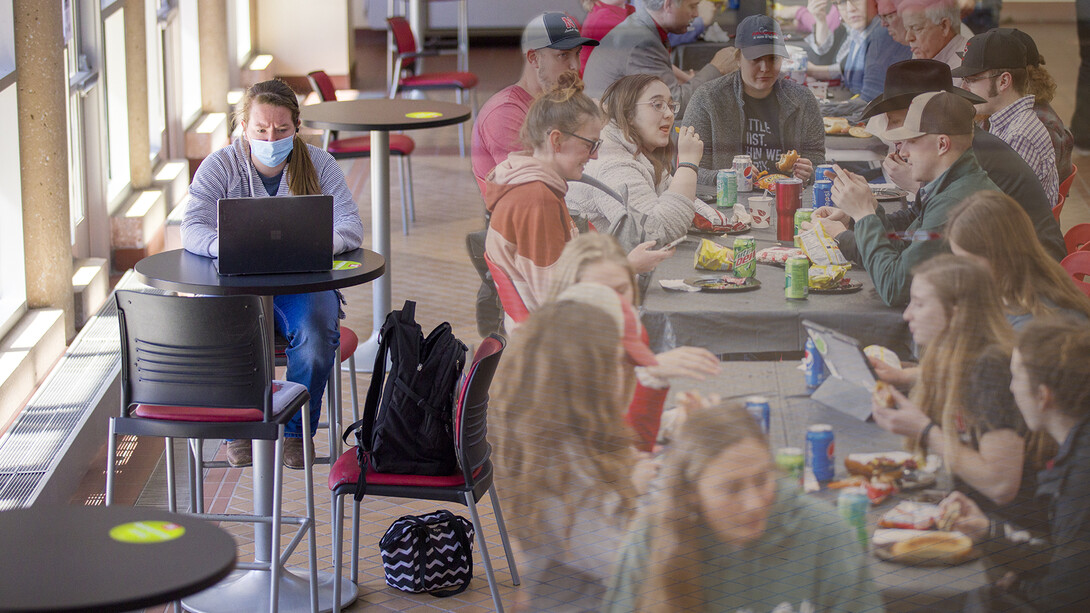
[824,171]
[798,70]
[788,200]
[813,365]
[797,280]
[745,256]
[743,170]
[759,408]
[823,193]
[820,451]
[726,188]
[852,505]
[801,215]
[791,461]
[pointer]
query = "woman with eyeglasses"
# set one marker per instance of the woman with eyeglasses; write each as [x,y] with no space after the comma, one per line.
[638,158]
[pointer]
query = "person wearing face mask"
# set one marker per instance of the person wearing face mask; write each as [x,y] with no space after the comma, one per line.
[270,159]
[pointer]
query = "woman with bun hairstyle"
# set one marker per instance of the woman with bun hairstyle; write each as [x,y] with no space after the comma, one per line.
[564,453]
[598,258]
[638,156]
[269,159]
[1050,380]
[961,407]
[724,530]
[993,229]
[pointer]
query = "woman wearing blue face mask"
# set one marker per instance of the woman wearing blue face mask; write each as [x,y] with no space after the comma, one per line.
[270,159]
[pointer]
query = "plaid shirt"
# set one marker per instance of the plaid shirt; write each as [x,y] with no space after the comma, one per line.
[1019,126]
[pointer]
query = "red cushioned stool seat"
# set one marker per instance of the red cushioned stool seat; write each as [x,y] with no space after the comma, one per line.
[399,145]
[464,80]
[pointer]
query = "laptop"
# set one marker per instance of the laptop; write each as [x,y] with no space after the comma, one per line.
[275,234]
[851,380]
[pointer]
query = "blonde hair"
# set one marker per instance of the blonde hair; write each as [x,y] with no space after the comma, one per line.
[560,398]
[564,107]
[586,249]
[302,176]
[619,102]
[673,578]
[992,225]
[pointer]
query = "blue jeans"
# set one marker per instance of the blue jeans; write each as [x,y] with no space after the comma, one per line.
[310,323]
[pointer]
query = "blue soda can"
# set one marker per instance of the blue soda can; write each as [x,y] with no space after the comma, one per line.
[813,365]
[820,451]
[759,408]
[823,193]
[823,172]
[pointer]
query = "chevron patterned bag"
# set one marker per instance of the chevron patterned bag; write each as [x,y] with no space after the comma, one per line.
[428,553]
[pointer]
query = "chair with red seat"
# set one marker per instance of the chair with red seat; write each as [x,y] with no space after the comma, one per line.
[360,146]
[201,367]
[1056,210]
[467,486]
[1078,266]
[404,76]
[1065,187]
[1077,237]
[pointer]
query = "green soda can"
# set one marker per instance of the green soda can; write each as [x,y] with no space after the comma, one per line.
[797,280]
[852,505]
[745,256]
[801,215]
[726,188]
[791,461]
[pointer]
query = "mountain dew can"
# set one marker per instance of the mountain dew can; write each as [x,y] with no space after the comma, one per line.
[745,256]
[726,188]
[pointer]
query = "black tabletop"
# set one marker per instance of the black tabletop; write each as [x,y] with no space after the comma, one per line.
[383,114]
[70,558]
[182,271]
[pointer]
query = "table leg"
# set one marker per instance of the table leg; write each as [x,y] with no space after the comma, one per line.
[380,243]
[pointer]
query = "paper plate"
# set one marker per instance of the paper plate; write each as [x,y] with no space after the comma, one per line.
[846,286]
[883,541]
[716,284]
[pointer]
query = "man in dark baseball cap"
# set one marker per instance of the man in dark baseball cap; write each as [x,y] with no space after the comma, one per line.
[906,80]
[554,31]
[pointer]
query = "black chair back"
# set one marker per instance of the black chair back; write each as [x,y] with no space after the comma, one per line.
[207,351]
[471,412]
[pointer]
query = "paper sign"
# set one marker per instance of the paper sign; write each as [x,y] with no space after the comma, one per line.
[143,532]
[423,115]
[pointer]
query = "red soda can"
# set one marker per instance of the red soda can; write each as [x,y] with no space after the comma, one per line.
[788,200]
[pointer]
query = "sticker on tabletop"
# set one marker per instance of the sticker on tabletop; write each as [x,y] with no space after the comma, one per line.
[423,114]
[345,264]
[145,532]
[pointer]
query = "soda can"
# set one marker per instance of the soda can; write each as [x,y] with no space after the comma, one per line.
[788,200]
[852,505]
[759,408]
[820,451]
[742,169]
[823,193]
[813,365]
[801,215]
[797,279]
[791,461]
[824,171]
[745,256]
[726,188]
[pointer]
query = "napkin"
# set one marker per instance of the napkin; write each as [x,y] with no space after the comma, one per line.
[677,285]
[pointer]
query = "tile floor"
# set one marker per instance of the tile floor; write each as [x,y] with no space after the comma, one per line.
[431,267]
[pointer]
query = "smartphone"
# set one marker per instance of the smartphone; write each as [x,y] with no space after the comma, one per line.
[672,244]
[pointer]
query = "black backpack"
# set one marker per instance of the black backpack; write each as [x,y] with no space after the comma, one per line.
[411,431]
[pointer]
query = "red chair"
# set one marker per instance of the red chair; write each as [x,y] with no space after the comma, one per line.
[1078,266]
[360,146]
[1065,187]
[1056,210]
[404,76]
[467,486]
[509,295]
[1077,237]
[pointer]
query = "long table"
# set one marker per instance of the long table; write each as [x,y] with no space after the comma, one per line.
[903,588]
[762,320]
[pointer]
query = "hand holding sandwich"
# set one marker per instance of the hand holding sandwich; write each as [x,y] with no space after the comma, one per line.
[966,516]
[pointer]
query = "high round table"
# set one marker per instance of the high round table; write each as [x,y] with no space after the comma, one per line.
[380,117]
[181,271]
[67,559]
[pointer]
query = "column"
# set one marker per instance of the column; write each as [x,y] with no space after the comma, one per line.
[212,26]
[136,76]
[43,150]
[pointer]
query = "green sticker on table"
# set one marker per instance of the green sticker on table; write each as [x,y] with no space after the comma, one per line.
[345,264]
[423,114]
[144,532]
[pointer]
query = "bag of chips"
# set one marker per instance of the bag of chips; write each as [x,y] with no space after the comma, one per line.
[713,256]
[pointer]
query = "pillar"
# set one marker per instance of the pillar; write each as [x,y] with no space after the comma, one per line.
[136,77]
[212,27]
[43,152]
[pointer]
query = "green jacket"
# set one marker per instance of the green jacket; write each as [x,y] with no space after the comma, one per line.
[807,553]
[890,260]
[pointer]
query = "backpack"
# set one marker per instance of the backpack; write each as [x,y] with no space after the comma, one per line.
[408,419]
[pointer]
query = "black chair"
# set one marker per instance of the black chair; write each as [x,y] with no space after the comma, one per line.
[201,367]
[467,486]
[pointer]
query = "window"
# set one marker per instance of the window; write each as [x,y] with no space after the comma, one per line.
[243,46]
[157,124]
[117,104]
[12,267]
[190,60]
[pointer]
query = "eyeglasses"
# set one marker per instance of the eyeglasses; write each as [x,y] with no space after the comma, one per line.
[661,106]
[977,78]
[887,18]
[594,144]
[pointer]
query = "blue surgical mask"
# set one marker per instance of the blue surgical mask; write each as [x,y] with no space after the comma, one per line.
[272,153]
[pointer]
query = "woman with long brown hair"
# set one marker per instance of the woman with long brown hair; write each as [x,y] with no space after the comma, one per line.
[724,530]
[961,407]
[269,159]
[993,229]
